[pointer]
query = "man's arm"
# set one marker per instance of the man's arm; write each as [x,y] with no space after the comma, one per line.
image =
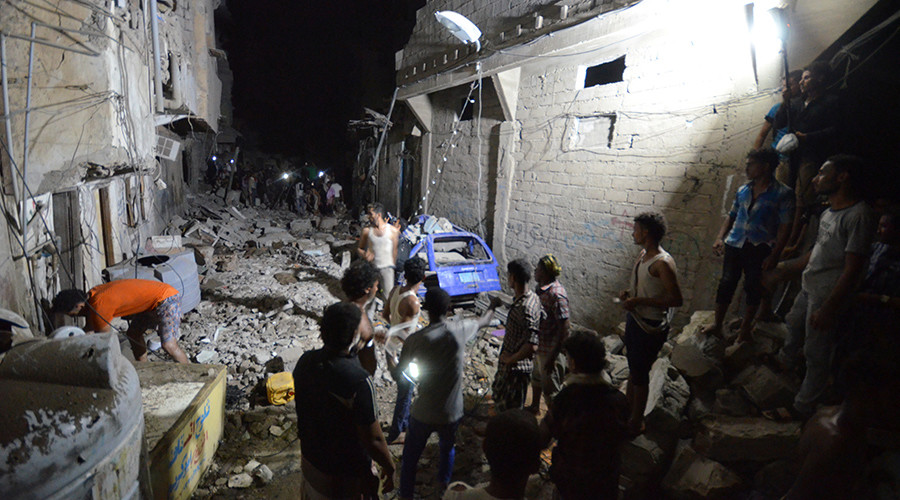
[727,224]
[562,333]
[854,264]
[363,249]
[375,444]
[784,230]
[761,136]
[526,351]
[488,315]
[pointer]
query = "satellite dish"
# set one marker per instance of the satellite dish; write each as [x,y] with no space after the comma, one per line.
[460,26]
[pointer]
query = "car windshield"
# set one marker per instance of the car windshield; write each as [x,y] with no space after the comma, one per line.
[459,250]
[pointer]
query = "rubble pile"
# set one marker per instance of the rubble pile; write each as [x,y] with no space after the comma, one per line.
[266,278]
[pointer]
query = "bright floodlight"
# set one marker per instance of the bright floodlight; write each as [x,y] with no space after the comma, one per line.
[461,27]
[285,175]
[413,370]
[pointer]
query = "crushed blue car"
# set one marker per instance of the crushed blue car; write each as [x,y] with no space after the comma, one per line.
[460,262]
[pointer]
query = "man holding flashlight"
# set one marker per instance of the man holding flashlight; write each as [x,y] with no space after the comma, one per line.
[434,358]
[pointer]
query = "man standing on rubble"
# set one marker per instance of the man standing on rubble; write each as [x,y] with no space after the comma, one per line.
[752,238]
[520,341]
[144,303]
[434,357]
[378,245]
[550,364]
[832,271]
[337,419]
[654,289]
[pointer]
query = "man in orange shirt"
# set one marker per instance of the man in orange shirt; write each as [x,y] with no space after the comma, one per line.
[144,303]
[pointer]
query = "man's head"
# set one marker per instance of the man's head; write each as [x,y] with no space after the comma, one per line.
[437,303]
[69,302]
[840,172]
[360,280]
[761,163]
[792,88]
[377,214]
[414,270]
[814,77]
[547,269]
[889,226]
[585,352]
[339,325]
[512,445]
[649,227]
[519,272]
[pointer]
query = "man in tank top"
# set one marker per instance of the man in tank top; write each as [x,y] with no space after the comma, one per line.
[378,245]
[402,312]
[654,289]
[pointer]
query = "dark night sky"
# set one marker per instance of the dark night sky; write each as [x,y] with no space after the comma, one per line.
[302,69]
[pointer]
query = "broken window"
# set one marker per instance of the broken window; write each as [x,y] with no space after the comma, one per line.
[602,74]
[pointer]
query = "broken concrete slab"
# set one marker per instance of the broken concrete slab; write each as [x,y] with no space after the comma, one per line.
[240,481]
[205,356]
[698,320]
[285,278]
[693,476]
[730,439]
[264,474]
[668,396]
[767,389]
[327,223]
[613,343]
[301,226]
[617,368]
[643,458]
[731,402]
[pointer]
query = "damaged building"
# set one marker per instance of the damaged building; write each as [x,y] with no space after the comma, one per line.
[574,116]
[107,104]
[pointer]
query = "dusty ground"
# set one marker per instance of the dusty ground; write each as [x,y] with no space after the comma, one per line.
[265,282]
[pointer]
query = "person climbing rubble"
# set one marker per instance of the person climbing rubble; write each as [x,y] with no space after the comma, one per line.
[144,303]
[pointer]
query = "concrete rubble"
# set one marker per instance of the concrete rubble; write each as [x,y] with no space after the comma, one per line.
[266,279]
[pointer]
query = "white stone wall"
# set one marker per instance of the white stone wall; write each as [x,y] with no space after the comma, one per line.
[683,118]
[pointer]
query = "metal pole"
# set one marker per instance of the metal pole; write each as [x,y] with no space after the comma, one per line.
[8,124]
[383,133]
[25,141]
[157,65]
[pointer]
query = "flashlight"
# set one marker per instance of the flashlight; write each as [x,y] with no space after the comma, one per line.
[285,175]
[412,372]
[321,173]
[231,161]
[213,157]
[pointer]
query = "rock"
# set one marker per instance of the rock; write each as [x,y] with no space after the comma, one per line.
[776,331]
[285,278]
[276,430]
[222,481]
[291,355]
[730,439]
[264,474]
[242,480]
[668,397]
[642,458]
[237,469]
[767,389]
[260,357]
[327,224]
[210,284]
[694,477]
[698,320]
[251,466]
[203,254]
[620,329]
[617,367]
[700,370]
[737,356]
[301,226]
[731,402]
[776,477]
[226,263]
[345,261]
[205,356]
[274,365]
[613,344]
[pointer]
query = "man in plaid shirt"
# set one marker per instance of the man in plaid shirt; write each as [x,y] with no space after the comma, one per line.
[519,342]
[549,369]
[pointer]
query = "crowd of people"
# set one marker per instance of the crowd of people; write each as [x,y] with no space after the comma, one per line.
[799,233]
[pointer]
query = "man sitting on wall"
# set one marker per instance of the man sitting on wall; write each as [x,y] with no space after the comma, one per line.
[145,303]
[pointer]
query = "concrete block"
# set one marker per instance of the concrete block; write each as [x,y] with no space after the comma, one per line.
[285,278]
[617,367]
[731,439]
[668,396]
[643,458]
[767,389]
[731,402]
[613,343]
[693,476]
[240,481]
